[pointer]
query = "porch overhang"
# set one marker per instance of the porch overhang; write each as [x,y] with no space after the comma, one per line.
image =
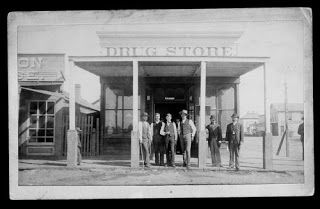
[169,66]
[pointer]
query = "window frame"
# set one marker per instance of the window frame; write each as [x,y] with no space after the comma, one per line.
[37,128]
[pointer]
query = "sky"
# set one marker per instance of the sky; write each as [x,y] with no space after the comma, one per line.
[282,41]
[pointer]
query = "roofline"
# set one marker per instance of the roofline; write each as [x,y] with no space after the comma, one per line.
[168,58]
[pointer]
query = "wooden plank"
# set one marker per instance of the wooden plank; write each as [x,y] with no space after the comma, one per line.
[91,135]
[83,134]
[93,142]
[87,134]
[98,137]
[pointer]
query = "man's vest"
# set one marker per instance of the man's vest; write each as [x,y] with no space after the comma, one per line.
[156,129]
[170,128]
[185,127]
[145,130]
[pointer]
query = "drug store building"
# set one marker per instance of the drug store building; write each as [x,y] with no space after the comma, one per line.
[165,71]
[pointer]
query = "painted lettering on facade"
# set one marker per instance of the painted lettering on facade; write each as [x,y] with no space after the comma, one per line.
[169,51]
[30,62]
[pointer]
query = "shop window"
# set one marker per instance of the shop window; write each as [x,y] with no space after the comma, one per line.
[41,122]
[119,110]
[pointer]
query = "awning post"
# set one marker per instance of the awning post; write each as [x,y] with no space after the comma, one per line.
[135,118]
[72,133]
[267,138]
[202,156]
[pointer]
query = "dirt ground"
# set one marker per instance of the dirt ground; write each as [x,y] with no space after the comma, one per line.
[108,171]
[153,176]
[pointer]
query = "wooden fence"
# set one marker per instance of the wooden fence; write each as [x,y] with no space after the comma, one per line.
[90,136]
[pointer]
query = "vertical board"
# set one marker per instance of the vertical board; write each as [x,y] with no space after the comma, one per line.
[98,137]
[90,135]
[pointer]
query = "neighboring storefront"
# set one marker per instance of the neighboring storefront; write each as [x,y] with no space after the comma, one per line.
[44,105]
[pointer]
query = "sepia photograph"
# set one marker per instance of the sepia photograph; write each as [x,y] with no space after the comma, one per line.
[160,103]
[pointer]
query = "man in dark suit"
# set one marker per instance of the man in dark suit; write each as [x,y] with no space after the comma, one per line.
[301,133]
[214,141]
[234,136]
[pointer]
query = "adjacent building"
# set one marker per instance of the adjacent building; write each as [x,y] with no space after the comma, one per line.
[43,108]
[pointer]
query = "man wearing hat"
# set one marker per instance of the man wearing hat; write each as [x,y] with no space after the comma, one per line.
[79,157]
[158,142]
[301,133]
[234,136]
[145,138]
[214,141]
[187,131]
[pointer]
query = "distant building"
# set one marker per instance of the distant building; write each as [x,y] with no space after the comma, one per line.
[44,105]
[253,123]
[294,115]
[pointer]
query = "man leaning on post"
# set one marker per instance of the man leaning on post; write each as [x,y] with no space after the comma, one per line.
[145,138]
[234,136]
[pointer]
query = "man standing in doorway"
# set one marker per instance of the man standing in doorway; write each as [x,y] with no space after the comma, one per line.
[301,133]
[188,131]
[171,138]
[145,138]
[234,136]
[158,141]
[214,141]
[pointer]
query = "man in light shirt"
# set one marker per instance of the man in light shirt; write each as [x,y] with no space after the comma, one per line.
[171,138]
[187,131]
[158,140]
[145,138]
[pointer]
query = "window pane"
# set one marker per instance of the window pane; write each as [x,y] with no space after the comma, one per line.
[33,140]
[120,102]
[110,121]
[226,98]
[127,102]
[211,97]
[41,139]
[33,107]
[42,120]
[119,121]
[32,132]
[49,132]
[42,107]
[41,132]
[110,99]
[50,121]
[33,122]
[50,108]
[49,139]
[127,126]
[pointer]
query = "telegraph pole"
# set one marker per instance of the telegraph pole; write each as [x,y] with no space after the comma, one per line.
[286,119]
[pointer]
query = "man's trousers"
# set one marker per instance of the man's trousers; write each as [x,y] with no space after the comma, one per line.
[215,152]
[170,151]
[146,151]
[234,150]
[186,148]
[159,150]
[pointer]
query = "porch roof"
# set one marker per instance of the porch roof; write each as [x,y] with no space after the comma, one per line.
[169,66]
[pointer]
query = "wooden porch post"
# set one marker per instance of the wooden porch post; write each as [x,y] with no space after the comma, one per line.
[202,133]
[267,138]
[135,119]
[72,133]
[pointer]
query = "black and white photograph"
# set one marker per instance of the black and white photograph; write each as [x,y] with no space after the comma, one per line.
[160,103]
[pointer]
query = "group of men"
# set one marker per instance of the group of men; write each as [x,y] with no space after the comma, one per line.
[163,136]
